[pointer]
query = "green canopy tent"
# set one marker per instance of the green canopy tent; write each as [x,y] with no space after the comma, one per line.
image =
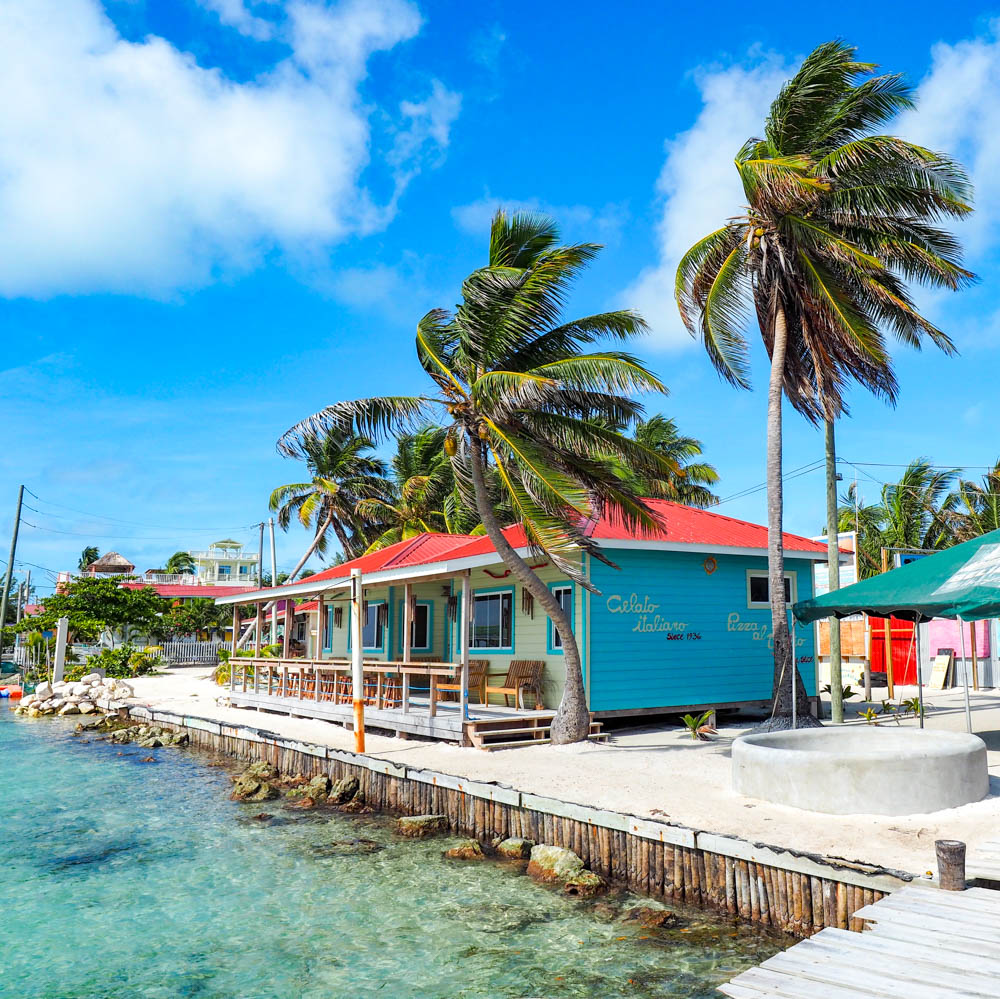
[962,582]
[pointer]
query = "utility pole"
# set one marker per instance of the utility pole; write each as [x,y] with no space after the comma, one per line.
[274,582]
[10,561]
[833,576]
[260,557]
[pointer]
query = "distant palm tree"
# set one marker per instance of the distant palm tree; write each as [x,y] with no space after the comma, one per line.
[690,482]
[416,492]
[87,556]
[916,513]
[344,472]
[180,563]
[980,506]
[837,220]
[524,393]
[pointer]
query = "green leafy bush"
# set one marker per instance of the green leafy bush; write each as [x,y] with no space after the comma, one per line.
[123,663]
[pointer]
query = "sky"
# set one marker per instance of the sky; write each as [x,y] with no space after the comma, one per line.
[218,216]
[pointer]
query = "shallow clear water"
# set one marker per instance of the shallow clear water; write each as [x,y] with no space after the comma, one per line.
[130,879]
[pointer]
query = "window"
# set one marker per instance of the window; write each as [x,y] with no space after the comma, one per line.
[225,570]
[564,594]
[421,629]
[759,592]
[491,620]
[328,629]
[244,570]
[371,631]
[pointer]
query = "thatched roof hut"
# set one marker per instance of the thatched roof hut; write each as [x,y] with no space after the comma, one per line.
[111,564]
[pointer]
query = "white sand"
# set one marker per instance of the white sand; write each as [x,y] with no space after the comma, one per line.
[659,772]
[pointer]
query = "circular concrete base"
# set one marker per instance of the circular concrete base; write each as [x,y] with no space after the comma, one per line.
[847,770]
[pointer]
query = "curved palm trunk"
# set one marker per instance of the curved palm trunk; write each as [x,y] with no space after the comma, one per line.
[572,719]
[785,671]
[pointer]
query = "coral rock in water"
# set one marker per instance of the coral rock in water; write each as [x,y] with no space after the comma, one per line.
[418,826]
[515,848]
[468,849]
[553,863]
[651,918]
[344,790]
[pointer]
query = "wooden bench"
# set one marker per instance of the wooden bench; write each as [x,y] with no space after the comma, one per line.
[522,675]
[477,682]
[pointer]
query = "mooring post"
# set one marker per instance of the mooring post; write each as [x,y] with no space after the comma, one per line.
[951,864]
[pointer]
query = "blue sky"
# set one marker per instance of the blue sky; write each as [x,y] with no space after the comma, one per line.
[221,215]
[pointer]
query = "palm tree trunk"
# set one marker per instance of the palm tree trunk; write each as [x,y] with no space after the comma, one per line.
[785,672]
[572,720]
[833,573]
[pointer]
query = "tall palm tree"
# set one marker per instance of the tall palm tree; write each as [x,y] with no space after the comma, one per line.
[980,506]
[89,554]
[524,394]
[416,492]
[180,563]
[691,481]
[837,220]
[343,473]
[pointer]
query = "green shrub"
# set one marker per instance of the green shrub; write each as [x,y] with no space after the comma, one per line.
[123,663]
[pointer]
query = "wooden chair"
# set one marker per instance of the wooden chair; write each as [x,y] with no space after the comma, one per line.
[522,675]
[477,681]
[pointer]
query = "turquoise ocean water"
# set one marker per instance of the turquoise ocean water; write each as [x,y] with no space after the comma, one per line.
[124,879]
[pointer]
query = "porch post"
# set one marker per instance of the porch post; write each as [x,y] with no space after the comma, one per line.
[289,618]
[320,626]
[465,618]
[232,654]
[357,671]
[259,629]
[407,640]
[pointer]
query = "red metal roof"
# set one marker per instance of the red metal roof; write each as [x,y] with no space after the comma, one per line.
[687,525]
[189,589]
[682,525]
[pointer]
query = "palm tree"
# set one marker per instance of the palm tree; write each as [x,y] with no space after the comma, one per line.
[980,511]
[180,563]
[916,513]
[414,500]
[343,473]
[690,482]
[838,219]
[88,555]
[524,394]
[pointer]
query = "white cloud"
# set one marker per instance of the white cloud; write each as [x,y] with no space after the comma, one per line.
[958,113]
[698,186]
[238,15]
[603,225]
[127,167]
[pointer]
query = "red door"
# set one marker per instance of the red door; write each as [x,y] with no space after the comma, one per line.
[902,649]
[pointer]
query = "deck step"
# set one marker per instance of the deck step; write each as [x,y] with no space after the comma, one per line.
[492,747]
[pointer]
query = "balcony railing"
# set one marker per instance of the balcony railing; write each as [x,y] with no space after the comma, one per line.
[202,579]
[222,555]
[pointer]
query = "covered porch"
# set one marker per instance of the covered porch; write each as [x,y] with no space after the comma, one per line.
[398,648]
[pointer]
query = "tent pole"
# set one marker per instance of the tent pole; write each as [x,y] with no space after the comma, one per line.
[920,676]
[965,678]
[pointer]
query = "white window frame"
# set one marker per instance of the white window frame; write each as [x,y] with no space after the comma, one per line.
[793,589]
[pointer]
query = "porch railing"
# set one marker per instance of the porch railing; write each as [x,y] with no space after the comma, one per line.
[386,685]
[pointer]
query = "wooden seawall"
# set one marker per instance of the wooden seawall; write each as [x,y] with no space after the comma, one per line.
[793,892]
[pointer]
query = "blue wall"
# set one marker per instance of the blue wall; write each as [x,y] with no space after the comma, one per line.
[666,632]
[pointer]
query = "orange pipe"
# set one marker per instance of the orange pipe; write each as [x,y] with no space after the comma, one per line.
[359,725]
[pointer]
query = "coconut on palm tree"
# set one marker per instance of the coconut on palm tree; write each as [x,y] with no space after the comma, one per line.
[180,563]
[343,473]
[526,395]
[838,220]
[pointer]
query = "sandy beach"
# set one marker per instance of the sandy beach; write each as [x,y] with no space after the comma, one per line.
[655,771]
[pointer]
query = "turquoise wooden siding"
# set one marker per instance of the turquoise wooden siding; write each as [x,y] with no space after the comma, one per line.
[664,632]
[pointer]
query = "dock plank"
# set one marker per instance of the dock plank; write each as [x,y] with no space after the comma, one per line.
[922,943]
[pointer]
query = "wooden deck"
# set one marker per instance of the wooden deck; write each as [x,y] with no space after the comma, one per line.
[399,698]
[922,943]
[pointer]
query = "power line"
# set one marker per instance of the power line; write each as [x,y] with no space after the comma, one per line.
[119,537]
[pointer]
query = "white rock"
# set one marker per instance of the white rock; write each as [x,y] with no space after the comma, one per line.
[28,699]
[60,685]
[69,709]
[79,689]
[121,690]
[44,690]
[86,707]
[92,677]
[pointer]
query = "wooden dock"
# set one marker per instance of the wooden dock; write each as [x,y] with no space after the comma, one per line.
[920,943]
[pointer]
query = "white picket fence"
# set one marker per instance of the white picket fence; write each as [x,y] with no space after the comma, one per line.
[191,652]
